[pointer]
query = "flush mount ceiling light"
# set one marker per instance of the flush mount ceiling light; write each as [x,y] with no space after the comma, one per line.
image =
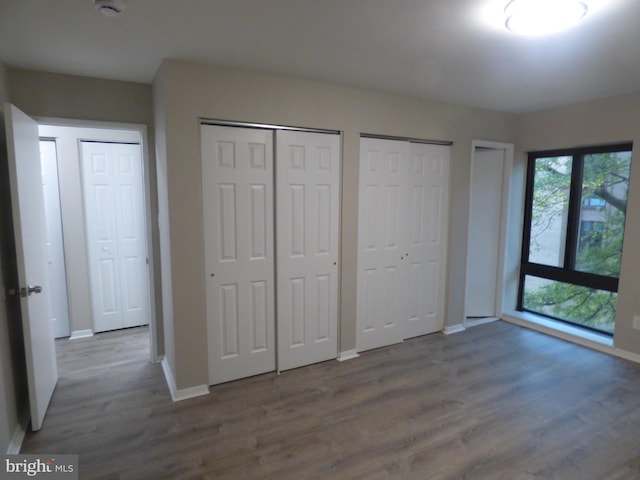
[109,8]
[539,17]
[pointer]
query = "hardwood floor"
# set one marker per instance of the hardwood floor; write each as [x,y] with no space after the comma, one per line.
[493,402]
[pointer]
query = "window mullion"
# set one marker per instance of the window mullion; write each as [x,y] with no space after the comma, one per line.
[573,214]
[526,233]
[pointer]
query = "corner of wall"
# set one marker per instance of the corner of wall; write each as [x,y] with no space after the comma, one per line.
[166,284]
[4,84]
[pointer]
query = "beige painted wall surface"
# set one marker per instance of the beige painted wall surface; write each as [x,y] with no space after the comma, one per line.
[604,121]
[188,91]
[164,250]
[58,96]
[43,94]
[13,385]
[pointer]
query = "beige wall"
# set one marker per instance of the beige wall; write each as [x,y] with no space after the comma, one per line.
[597,122]
[43,94]
[188,91]
[49,95]
[164,250]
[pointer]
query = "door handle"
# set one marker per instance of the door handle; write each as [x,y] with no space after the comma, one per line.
[25,291]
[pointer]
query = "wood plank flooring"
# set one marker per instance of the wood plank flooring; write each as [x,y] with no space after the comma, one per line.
[494,402]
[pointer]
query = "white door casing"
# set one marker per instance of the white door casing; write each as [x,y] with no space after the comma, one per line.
[29,223]
[55,242]
[382,232]
[237,173]
[307,196]
[402,222]
[116,238]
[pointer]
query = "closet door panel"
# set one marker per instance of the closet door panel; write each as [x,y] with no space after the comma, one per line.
[307,185]
[401,240]
[426,242]
[382,229]
[237,171]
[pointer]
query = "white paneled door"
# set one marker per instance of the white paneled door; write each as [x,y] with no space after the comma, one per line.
[254,213]
[383,200]
[237,172]
[29,224]
[401,245]
[307,246]
[426,249]
[114,211]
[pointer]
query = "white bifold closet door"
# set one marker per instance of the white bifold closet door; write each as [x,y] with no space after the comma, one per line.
[307,245]
[401,244]
[242,236]
[237,171]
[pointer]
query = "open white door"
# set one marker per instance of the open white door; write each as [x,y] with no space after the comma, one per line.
[30,233]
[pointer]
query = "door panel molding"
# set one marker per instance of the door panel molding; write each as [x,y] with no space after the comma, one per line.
[401,239]
[289,207]
[308,213]
[27,204]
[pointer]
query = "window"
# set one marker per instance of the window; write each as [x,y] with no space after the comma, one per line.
[575,209]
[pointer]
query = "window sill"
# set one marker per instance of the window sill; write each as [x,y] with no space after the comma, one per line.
[586,338]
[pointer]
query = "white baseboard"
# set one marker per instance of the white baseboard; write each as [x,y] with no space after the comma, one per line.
[451,329]
[76,334]
[348,355]
[633,357]
[19,433]
[185,393]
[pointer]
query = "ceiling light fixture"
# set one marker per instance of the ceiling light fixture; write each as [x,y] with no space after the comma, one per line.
[109,8]
[539,17]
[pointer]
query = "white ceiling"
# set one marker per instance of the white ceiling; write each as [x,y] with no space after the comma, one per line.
[436,49]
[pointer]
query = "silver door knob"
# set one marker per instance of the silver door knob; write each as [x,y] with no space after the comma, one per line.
[36,289]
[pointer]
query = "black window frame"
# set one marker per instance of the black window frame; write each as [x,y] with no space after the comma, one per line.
[567,273]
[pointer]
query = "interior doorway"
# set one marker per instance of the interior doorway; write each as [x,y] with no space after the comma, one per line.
[488,205]
[83,212]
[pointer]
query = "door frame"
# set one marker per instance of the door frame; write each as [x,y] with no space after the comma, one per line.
[148,175]
[501,280]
